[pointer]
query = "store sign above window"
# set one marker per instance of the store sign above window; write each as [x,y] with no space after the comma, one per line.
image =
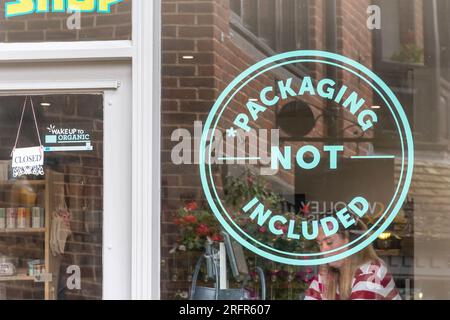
[24,7]
[237,119]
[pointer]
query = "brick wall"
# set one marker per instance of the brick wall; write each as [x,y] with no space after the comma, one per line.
[40,27]
[355,42]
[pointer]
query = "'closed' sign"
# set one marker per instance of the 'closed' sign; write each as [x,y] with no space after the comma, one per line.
[28,157]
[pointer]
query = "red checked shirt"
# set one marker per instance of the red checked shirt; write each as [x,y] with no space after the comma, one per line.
[372,281]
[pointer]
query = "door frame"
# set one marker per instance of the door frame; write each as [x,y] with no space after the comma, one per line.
[144,52]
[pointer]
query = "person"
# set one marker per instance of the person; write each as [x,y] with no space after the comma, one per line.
[361,276]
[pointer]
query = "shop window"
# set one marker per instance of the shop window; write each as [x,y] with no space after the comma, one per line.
[66,24]
[276,26]
[235,6]
[401,38]
[415,245]
[411,56]
[51,223]
[444,39]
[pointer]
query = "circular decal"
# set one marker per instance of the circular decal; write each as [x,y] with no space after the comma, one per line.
[234,115]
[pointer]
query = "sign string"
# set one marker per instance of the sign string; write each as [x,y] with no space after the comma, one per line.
[21,122]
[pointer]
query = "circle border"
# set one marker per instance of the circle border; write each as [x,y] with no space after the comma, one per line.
[410,159]
[386,209]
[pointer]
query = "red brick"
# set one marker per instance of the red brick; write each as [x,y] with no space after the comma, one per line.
[169,58]
[178,44]
[169,82]
[169,105]
[196,106]
[206,70]
[207,94]
[169,31]
[178,70]
[205,45]
[179,93]
[196,32]
[178,19]
[168,7]
[205,20]
[198,82]
[196,7]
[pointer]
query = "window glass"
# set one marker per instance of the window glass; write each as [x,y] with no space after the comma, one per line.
[51,219]
[207,45]
[402,37]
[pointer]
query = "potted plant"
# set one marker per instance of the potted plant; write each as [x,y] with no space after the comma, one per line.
[197,225]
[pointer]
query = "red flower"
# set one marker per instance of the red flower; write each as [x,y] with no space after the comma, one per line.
[306,210]
[217,238]
[177,221]
[191,206]
[190,219]
[263,229]
[281,227]
[203,230]
[275,272]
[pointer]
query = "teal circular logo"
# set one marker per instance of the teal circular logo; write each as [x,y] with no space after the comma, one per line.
[227,109]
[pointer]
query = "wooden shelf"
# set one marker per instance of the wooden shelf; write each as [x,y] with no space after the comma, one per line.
[52,264]
[23,182]
[26,230]
[388,252]
[22,277]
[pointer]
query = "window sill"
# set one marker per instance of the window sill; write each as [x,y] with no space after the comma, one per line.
[37,51]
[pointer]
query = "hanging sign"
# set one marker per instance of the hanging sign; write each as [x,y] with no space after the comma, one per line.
[28,161]
[28,157]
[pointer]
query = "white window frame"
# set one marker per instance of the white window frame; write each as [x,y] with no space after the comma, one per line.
[144,53]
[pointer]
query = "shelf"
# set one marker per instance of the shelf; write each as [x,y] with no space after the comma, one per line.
[22,182]
[44,189]
[26,230]
[22,277]
[388,252]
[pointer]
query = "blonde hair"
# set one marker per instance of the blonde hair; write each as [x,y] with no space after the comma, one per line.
[343,278]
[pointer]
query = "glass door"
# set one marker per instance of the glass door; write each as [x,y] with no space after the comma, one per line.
[64,224]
